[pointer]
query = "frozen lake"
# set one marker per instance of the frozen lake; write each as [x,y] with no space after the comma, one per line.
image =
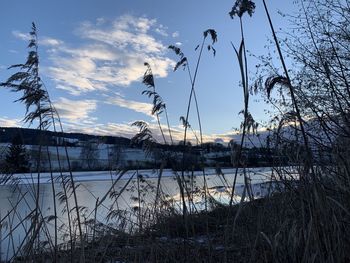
[132,194]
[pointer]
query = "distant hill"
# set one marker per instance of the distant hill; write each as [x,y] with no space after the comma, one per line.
[33,137]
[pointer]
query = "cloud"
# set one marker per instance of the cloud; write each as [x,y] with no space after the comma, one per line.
[6,122]
[20,35]
[162,30]
[125,32]
[175,34]
[112,129]
[115,129]
[69,80]
[112,55]
[48,41]
[141,107]
[75,118]
[127,130]
[75,110]
[100,21]
[45,41]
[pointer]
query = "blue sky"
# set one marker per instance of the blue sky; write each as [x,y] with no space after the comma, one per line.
[92,55]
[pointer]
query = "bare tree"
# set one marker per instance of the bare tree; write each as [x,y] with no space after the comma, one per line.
[115,157]
[89,155]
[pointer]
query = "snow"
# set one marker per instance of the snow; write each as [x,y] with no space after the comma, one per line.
[258,175]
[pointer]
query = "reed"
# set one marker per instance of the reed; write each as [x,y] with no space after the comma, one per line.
[305,213]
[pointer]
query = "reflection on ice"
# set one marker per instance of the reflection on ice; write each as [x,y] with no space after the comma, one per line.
[122,203]
[201,199]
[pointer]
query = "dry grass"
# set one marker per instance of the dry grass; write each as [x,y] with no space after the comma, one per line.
[308,221]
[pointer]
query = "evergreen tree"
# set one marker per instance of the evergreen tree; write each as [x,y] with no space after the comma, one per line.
[16,160]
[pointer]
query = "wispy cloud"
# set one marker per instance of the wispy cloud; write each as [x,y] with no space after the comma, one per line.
[137,106]
[175,34]
[113,129]
[112,56]
[20,35]
[48,41]
[7,122]
[127,130]
[75,110]
[45,41]
[162,30]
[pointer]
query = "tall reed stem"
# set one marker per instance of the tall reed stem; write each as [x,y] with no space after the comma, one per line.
[308,163]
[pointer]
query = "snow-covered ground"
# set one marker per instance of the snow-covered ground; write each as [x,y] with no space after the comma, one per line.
[257,175]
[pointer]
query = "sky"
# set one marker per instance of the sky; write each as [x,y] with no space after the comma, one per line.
[92,56]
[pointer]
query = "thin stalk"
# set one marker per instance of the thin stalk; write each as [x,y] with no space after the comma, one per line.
[139,199]
[160,173]
[196,103]
[74,192]
[328,75]
[169,129]
[36,78]
[53,110]
[54,202]
[192,89]
[184,208]
[154,102]
[160,128]
[291,90]
[37,196]
[322,60]
[95,222]
[244,77]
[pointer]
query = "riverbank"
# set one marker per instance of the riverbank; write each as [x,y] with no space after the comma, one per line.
[308,222]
